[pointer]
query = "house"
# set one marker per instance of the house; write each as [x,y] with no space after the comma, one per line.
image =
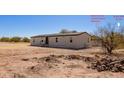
[70,39]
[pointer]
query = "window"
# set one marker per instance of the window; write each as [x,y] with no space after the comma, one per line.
[71,40]
[88,40]
[41,40]
[33,40]
[56,39]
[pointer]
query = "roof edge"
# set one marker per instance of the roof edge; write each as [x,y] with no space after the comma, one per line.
[52,35]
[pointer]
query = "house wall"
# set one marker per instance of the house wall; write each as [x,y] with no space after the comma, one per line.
[83,41]
[63,41]
[37,41]
[79,41]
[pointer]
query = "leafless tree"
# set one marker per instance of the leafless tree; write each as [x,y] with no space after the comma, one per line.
[109,37]
[67,31]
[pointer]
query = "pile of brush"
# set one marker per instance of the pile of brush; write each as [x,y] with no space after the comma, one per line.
[108,64]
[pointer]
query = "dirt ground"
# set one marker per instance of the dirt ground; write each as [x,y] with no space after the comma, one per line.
[22,60]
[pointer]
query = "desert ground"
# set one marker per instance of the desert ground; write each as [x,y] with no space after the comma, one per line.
[20,60]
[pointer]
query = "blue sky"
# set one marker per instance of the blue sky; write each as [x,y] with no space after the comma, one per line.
[27,25]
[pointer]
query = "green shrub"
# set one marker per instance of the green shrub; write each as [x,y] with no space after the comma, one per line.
[5,39]
[15,39]
[25,39]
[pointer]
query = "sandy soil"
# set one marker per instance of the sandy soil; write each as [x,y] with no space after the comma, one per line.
[16,60]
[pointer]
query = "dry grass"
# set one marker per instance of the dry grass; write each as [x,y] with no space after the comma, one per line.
[4,45]
[16,59]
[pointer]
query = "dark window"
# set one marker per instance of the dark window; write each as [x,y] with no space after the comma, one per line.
[70,40]
[41,40]
[33,41]
[56,39]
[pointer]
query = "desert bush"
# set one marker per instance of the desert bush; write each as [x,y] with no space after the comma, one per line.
[5,39]
[110,37]
[25,39]
[67,31]
[15,39]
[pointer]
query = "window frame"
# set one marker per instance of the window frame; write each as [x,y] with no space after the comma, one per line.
[89,40]
[42,40]
[71,41]
[56,39]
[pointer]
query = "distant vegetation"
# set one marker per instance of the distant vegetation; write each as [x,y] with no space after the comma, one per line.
[67,31]
[14,39]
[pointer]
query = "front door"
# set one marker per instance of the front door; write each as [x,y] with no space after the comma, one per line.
[47,40]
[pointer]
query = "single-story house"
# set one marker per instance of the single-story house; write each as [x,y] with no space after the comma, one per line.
[74,40]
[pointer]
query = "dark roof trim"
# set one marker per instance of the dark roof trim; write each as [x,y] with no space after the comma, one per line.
[60,34]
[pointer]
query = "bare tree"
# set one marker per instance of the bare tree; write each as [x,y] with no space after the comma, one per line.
[67,31]
[110,37]
[64,31]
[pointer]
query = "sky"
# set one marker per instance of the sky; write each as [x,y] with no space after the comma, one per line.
[30,25]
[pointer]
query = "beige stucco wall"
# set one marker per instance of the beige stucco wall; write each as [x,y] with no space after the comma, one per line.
[63,41]
[79,41]
[38,41]
[83,40]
